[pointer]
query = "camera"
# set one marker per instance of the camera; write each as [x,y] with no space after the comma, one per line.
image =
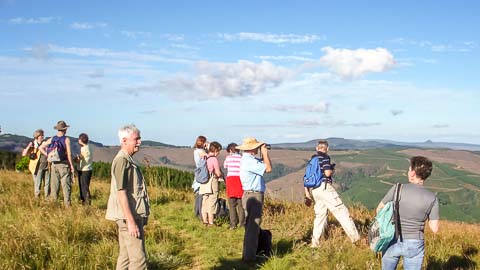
[32,155]
[268,146]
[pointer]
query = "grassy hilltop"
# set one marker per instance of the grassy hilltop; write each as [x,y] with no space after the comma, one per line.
[40,235]
[365,176]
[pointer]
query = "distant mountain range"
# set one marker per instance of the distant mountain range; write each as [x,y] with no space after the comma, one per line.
[344,144]
[16,143]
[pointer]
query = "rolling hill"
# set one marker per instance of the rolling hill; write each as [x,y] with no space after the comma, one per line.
[362,175]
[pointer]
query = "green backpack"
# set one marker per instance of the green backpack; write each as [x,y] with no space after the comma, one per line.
[383,229]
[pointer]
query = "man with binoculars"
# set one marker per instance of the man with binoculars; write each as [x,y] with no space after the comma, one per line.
[252,170]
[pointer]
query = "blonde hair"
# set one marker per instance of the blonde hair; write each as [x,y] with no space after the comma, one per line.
[37,133]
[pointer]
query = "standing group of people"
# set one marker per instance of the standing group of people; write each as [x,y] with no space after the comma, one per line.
[129,206]
[245,186]
[52,163]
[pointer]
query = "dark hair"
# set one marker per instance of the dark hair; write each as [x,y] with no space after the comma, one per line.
[83,137]
[200,142]
[323,142]
[215,146]
[231,148]
[422,166]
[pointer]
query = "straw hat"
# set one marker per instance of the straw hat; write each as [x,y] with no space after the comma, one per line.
[249,144]
[61,125]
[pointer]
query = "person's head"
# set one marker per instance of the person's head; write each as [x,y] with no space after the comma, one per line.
[130,139]
[214,148]
[420,167]
[200,142]
[231,148]
[322,146]
[83,139]
[250,145]
[38,135]
[61,127]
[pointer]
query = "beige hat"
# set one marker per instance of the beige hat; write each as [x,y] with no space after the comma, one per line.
[61,125]
[249,144]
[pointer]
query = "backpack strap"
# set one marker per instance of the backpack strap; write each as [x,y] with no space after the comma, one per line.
[396,212]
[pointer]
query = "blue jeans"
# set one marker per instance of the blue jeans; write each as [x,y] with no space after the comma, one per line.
[412,251]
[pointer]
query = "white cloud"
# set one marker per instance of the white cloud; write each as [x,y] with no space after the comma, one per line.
[464,46]
[216,80]
[136,34]
[86,25]
[320,107]
[107,53]
[332,123]
[174,37]
[352,64]
[38,20]
[272,38]
[285,58]
[39,52]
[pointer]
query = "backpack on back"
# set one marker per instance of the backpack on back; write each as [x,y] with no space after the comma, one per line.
[56,149]
[383,228]
[313,174]
[201,171]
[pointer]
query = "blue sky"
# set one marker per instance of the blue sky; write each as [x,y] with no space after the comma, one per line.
[281,71]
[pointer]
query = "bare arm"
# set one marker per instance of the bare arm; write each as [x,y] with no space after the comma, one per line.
[28,149]
[132,226]
[433,224]
[307,193]
[69,154]
[380,206]
[44,145]
[266,159]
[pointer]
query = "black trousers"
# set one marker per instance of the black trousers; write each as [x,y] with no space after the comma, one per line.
[84,185]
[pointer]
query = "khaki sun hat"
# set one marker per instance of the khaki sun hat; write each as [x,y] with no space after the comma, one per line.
[249,144]
[61,125]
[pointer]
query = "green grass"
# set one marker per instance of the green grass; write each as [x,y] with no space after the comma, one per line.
[460,192]
[40,235]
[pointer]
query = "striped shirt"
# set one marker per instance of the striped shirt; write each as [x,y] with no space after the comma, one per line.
[325,164]
[232,164]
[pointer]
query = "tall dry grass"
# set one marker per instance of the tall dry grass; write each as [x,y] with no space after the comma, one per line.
[40,235]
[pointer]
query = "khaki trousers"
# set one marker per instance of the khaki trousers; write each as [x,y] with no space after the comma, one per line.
[328,199]
[60,175]
[132,253]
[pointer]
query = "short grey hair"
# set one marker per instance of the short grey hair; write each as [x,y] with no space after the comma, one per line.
[125,131]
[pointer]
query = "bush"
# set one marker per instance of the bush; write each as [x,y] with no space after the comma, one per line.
[154,175]
[22,164]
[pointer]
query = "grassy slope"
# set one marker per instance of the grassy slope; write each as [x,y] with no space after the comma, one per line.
[43,235]
[459,190]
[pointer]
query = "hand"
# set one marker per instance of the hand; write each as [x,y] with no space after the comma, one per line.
[133,229]
[308,201]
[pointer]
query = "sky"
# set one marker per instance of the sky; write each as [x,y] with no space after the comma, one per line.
[280,71]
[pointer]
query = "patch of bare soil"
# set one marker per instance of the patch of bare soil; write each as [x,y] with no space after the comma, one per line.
[462,159]
[288,187]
